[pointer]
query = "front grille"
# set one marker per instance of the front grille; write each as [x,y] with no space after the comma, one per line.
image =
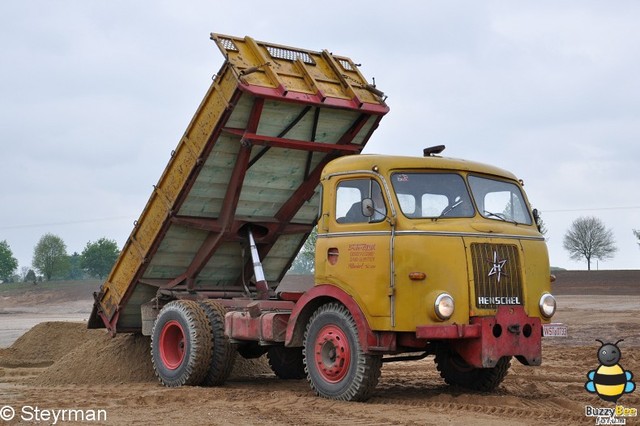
[497,275]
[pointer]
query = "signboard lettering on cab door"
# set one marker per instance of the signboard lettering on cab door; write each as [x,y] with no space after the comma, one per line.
[362,256]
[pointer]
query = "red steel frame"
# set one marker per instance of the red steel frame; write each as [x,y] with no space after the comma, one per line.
[481,343]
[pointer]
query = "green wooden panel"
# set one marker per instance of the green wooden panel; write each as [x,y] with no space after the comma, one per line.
[225,266]
[175,253]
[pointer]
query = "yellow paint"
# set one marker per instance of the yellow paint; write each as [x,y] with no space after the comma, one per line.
[302,71]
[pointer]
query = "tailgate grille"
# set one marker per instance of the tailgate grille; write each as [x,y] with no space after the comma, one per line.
[497,275]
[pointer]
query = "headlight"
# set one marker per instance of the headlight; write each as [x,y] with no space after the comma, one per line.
[547,305]
[444,306]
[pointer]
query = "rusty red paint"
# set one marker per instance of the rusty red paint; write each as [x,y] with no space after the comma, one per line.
[496,340]
[267,327]
[277,142]
[453,331]
[316,99]
[172,345]
[328,293]
[332,353]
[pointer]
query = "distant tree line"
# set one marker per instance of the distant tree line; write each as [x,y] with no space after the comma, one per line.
[587,238]
[51,261]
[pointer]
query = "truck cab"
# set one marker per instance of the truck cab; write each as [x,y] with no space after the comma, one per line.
[438,254]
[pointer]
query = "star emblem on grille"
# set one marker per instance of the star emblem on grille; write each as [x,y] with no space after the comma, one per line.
[497,266]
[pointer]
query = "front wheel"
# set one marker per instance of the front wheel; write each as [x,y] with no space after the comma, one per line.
[336,366]
[457,372]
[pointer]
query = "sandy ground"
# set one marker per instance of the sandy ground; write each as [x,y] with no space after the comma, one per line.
[62,366]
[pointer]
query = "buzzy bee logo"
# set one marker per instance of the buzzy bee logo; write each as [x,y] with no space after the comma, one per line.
[610,381]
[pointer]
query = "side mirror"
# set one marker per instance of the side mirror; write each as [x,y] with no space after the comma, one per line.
[367,207]
[536,218]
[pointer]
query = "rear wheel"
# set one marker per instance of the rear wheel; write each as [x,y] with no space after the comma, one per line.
[181,344]
[336,366]
[223,354]
[286,363]
[251,350]
[457,372]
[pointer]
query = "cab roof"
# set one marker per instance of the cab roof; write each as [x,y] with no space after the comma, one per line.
[387,163]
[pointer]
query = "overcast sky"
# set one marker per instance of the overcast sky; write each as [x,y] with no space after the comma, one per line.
[96,94]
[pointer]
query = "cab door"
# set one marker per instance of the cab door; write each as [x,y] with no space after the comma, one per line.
[352,250]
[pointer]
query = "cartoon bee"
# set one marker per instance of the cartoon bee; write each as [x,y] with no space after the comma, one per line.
[609,380]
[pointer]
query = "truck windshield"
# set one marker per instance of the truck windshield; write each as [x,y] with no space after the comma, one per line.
[432,195]
[499,200]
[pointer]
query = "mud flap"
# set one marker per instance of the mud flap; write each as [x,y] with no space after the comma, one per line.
[510,333]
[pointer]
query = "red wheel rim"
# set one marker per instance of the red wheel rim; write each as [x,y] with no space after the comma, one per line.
[332,353]
[172,344]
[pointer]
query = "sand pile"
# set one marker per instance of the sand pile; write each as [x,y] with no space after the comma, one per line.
[103,360]
[46,343]
[75,355]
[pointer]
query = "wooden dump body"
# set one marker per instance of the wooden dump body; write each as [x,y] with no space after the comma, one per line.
[251,157]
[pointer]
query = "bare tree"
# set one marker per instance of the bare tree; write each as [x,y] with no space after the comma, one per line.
[23,273]
[588,238]
[637,234]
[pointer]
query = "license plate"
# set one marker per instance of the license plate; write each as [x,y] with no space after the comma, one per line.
[554,330]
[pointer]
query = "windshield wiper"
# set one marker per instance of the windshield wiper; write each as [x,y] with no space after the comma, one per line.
[500,216]
[449,208]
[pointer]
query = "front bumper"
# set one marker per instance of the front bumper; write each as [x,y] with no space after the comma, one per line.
[487,339]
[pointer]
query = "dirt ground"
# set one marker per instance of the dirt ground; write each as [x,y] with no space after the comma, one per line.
[60,365]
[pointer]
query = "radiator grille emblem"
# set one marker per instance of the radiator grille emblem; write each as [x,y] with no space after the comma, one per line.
[496,266]
[496,275]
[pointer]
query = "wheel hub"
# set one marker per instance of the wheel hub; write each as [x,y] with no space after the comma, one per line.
[172,345]
[332,353]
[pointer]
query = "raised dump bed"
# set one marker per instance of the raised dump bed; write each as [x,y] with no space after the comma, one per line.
[251,158]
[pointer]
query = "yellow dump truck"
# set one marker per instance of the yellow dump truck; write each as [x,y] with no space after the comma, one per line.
[415,256]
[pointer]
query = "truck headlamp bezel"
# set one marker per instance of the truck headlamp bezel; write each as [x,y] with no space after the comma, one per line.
[444,306]
[547,305]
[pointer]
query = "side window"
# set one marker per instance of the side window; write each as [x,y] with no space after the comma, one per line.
[349,196]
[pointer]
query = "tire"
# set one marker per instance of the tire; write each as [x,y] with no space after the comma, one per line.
[286,363]
[456,372]
[181,344]
[336,366]
[223,354]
